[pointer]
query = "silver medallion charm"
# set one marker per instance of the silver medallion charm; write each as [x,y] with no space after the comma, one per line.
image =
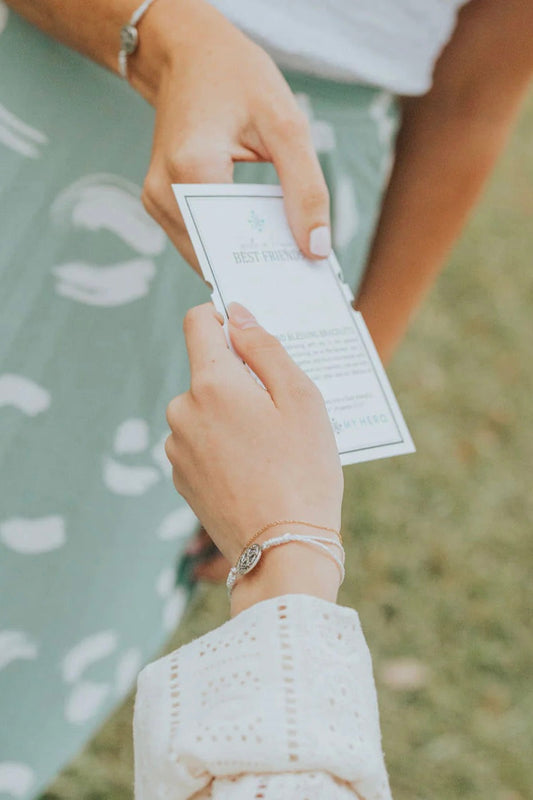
[248,559]
[129,39]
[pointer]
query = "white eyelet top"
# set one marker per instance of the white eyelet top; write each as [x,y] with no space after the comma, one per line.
[279,703]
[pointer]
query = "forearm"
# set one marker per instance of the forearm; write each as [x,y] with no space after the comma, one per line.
[441,166]
[447,146]
[94,30]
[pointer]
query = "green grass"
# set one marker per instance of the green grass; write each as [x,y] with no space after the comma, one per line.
[439,544]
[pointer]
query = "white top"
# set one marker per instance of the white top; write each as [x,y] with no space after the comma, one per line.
[388,43]
[277,703]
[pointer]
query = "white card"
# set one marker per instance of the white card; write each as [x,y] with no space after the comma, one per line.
[248,254]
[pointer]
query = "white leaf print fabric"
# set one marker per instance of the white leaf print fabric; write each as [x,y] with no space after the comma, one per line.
[33,536]
[16,645]
[16,778]
[90,650]
[16,134]
[109,202]
[23,394]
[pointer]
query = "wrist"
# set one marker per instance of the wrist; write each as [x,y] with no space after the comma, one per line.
[170,33]
[152,58]
[291,568]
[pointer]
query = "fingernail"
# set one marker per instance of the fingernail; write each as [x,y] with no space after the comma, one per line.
[320,241]
[241,317]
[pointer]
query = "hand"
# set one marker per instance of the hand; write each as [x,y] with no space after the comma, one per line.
[243,456]
[219,99]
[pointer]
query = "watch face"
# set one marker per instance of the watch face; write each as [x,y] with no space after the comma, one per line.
[249,559]
[129,38]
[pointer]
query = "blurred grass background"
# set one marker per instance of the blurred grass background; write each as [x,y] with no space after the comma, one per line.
[439,546]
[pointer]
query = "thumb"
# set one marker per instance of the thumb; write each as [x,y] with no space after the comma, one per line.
[304,186]
[266,356]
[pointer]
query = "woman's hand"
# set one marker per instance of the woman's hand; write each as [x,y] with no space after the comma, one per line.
[219,99]
[244,456]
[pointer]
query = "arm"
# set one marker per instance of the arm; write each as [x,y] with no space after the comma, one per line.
[219,98]
[280,701]
[92,30]
[243,457]
[447,145]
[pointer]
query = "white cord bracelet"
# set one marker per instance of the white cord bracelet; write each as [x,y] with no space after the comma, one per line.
[251,555]
[129,37]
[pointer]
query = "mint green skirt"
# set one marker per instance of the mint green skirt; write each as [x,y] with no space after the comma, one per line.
[92,297]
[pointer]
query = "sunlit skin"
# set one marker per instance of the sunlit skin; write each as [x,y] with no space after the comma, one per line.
[448,143]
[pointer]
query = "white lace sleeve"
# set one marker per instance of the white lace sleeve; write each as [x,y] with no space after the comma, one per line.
[277,703]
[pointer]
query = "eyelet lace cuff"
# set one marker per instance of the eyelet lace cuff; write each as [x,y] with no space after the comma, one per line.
[279,702]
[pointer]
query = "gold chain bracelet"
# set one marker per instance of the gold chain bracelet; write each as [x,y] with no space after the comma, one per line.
[278,522]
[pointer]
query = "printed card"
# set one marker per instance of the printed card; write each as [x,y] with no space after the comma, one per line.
[248,254]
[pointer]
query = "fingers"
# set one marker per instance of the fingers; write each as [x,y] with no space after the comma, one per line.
[304,187]
[158,197]
[181,154]
[205,339]
[193,150]
[268,359]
